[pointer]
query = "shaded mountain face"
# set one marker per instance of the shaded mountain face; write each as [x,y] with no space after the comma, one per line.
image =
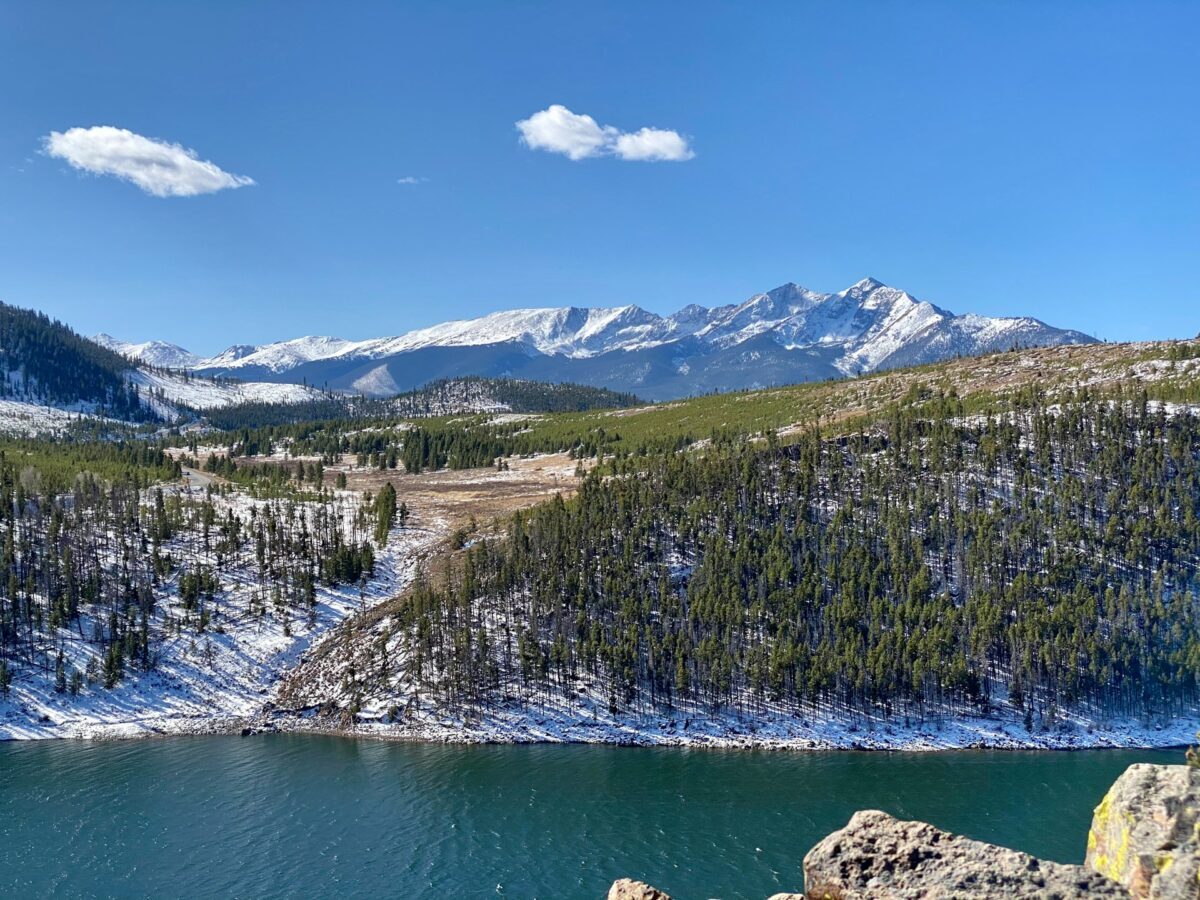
[786,335]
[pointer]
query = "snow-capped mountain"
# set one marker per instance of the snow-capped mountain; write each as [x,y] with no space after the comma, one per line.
[163,391]
[282,355]
[154,353]
[785,335]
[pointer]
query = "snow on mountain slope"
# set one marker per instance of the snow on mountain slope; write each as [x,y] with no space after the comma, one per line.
[163,392]
[376,383]
[566,331]
[775,311]
[284,355]
[860,329]
[154,353]
[276,357]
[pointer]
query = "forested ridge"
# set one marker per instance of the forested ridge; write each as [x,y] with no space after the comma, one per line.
[1042,555]
[447,396]
[44,360]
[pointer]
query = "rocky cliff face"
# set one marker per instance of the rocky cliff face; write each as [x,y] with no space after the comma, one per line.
[1144,843]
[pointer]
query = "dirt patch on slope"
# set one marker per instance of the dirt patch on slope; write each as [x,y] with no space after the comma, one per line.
[446,502]
[458,496]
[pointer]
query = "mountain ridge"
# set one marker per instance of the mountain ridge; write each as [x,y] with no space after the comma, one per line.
[806,335]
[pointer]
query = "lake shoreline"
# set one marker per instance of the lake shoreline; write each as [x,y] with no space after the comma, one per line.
[955,735]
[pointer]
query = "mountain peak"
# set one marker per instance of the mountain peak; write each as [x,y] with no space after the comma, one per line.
[155,353]
[795,293]
[236,351]
[865,285]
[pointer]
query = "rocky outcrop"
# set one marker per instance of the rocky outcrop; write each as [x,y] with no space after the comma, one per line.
[1144,843]
[628,889]
[1146,832]
[876,855]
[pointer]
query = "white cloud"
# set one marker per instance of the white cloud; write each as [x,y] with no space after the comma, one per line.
[653,144]
[558,130]
[157,167]
[411,179]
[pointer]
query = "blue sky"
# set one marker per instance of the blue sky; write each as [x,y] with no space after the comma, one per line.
[1001,158]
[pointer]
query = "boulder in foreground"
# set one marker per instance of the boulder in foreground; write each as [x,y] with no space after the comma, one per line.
[876,855]
[1144,843]
[628,889]
[1146,832]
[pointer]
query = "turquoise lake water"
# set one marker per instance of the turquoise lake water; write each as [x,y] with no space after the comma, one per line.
[304,816]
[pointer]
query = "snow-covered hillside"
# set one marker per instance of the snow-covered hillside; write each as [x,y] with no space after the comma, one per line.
[170,396]
[227,670]
[22,419]
[805,334]
[167,391]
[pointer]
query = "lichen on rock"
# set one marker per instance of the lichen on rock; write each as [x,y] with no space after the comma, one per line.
[1146,832]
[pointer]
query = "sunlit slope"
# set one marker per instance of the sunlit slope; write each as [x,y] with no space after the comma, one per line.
[1165,370]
